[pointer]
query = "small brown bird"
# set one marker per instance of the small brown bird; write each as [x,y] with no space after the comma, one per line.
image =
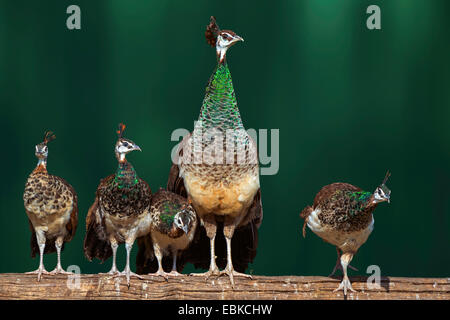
[342,215]
[173,226]
[121,210]
[52,208]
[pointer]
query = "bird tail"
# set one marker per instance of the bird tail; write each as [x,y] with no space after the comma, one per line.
[145,260]
[96,243]
[304,215]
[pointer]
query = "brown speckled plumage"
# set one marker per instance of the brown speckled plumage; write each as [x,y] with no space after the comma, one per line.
[342,215]
[51,205]
[48,198]
[336,206]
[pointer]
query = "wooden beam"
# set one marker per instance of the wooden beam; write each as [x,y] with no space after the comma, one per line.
[92,286]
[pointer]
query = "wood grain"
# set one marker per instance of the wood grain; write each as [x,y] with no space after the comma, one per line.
[56,287]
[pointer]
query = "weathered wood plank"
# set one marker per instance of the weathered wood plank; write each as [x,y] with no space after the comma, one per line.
[22,286]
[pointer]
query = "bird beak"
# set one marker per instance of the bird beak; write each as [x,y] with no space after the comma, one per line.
[238,38]
[185,229]
[136,147]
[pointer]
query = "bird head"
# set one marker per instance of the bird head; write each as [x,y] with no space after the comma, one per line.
[123,145]
[382,192]
[41,149]
[182,219]
[220,39]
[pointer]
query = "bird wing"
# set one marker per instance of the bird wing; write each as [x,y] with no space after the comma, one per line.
[96,243]
[323,196]
[343,207]
[175,182]
[71,226]
[146,188]
[328,191]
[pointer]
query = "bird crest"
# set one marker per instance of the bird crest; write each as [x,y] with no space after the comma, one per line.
[382,192]
[388,174]
[49,136]
[212,31]
[120,130]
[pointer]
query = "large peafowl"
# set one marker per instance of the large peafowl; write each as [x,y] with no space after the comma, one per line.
[218,170]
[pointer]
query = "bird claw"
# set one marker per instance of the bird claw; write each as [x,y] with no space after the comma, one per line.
[160,273]
[128,274]
[112,272]
[174,273]
[231,273]
[211,272]
[59,270]
[344,285]
[39,272]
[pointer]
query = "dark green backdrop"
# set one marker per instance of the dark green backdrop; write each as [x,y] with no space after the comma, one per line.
[350,103]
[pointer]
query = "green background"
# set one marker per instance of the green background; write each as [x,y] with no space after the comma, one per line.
[350,103]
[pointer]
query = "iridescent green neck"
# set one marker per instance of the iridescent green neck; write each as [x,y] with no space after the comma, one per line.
[360,196]
[168,211]
[126,176]
[362,201]
[219,109]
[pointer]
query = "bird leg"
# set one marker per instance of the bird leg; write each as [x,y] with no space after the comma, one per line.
[41,270]
[338,264]
[211,229]
[228,231]
[345,284]
[127,271]
[174,271]
[114,247]
[159,256]
[58,269]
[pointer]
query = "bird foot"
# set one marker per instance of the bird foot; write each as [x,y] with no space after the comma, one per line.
[174,273]
[211,272]
[231,273]
[59,270]
[128,274]
[112,272]
[40,271]
[345,284]
[160,273]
